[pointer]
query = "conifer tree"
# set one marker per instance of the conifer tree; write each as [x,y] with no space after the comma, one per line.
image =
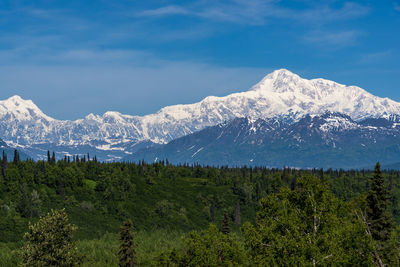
[4,165]
[237,213]
[225,225]
[321,174]
[53,158]
[23,205]
[16,157]
[380,222]
[212,211]
[48,156]
[61,189]
[35,204]
[284,176]
[127,248]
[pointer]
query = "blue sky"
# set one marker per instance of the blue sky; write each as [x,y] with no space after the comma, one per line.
[76,57]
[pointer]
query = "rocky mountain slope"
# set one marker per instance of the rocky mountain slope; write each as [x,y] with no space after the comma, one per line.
[10,152]
[330,140]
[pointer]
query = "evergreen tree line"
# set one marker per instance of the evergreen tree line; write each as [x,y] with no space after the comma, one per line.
[305,226]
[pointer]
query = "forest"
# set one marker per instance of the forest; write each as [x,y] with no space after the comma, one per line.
[192,215]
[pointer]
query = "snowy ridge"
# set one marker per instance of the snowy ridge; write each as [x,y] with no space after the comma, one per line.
[280,95]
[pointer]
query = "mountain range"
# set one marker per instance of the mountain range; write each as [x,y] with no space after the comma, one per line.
[321,141]
[280,98]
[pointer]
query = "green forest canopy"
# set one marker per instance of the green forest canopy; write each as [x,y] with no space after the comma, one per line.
[98,197]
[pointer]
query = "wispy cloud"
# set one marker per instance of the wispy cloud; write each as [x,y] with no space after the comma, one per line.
[211,17]
[259,11]
[335,39]
[396,6]
[166,10]
[237,11]
[315,15]
[325,13]
[43,56]
[374,57]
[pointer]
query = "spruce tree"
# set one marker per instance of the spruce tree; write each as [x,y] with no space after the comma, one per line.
[48,156]
[61,189]
[53,158]
[127,248]
[212,211]
[379,219]
[237,213]
[16,157]
[225,225]
[23,205]
[4,165]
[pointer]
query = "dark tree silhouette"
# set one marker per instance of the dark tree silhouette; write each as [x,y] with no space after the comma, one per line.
[225,225]
[238,220]
[127,248]
[380,221]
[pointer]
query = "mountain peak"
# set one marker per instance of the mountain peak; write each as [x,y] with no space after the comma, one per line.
[281,80]
[281,74]
[17,101]
[21,109]
[15,98]
[113,114]
[287,92]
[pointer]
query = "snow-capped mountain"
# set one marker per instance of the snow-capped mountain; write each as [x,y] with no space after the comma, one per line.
[330,140]
[280,95]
